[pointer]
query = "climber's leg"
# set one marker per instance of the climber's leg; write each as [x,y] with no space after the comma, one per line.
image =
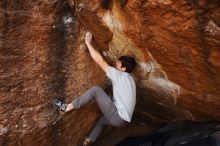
[104,102]
[102,99]
[98,128]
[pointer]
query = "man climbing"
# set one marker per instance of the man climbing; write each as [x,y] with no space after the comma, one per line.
[117,111]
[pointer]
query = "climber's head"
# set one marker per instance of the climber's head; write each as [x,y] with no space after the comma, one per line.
[125,64]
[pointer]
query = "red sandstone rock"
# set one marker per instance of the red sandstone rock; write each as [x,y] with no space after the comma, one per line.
[42,54]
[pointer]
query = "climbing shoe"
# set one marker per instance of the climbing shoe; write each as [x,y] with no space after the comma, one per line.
[58,104]
[123,2]
[87,142]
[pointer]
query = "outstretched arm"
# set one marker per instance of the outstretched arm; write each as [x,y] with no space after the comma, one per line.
[96,56]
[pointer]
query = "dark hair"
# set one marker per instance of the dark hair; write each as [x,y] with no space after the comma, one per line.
[127,62]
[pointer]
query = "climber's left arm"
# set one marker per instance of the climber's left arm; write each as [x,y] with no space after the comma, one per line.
[96,56]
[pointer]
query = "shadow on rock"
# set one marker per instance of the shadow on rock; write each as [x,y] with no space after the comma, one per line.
[184,133]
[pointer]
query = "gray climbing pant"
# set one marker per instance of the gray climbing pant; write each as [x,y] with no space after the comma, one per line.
[106,105]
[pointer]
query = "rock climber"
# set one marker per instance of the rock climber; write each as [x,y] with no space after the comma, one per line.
[117,111]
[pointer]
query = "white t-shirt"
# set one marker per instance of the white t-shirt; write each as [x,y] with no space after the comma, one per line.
[124,92]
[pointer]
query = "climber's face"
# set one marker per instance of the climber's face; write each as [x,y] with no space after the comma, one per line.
[120,67]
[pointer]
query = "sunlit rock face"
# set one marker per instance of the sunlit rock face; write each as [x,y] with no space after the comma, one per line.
[42,55]
[176,45]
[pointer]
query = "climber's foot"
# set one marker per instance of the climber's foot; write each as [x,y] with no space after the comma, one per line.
[87,142]
[58,104]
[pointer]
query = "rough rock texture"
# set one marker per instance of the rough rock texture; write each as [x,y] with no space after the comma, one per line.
[42,54]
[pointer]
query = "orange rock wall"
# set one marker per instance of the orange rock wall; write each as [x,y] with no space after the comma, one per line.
[42,55]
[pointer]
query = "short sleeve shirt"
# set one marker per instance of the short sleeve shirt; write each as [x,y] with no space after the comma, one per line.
[124,92]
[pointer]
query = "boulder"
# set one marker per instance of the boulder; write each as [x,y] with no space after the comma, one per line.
[43,55]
